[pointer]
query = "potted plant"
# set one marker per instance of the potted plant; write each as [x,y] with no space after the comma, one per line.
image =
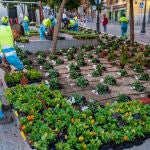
[74,74]
[122,98]
[59,61]
[47,66]
[144,76]
[54,84]
[138,68]
[122,72]
[96,73]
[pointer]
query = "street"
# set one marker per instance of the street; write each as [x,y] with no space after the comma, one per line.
[115,29]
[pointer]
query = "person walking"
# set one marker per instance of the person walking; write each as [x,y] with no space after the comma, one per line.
[124,26]
[104,23]
[9,58]
[26,25]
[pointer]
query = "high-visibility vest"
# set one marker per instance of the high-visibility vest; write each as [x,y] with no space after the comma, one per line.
[26,18]
[71,22]
[47,22]
[5,19]
[6,39]
[124,19]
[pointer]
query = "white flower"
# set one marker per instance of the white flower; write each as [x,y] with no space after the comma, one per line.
[71,100]
[60,50]
[41,67]
[65,60]
[136,77]
[101,80]
[67,76]
[46,82]
[72,84]
[119,73]
[84,108]
[94,91]
[94,67]
[39,56]
[89,75]
[75,63]
[46,74]
[89,60]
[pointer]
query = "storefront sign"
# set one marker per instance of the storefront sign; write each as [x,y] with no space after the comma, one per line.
[118,6]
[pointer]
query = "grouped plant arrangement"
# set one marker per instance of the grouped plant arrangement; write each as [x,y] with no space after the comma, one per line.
[14,78]
[48,121]
[137,86]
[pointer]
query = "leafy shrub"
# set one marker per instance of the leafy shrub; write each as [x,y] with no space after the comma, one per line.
[52,57]
[53,73]
[47,66]
[73,67]
[34,74]
[100,68]
[95,60]
[137,86]
[102,89]
[41,60]
[89,55]
[123,72]
[77,98]
[80,63]
[96,73]
[122,98]
[82,82]
[70,57]
[138,69]
[74,74]
[59,61]
[110,80]
[54,84]
[144,76]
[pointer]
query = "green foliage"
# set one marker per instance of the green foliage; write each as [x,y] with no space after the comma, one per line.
[123,72]
[59,61]
[122,98]
[110,80]
[137,86]
[74,74]
[47,66]
[73,67]
[96,73]
[138,69]
[102,89]
[77,99]
[53,73]
[54,84]
[81,63]
[82,82]
[144,76]
[95,60]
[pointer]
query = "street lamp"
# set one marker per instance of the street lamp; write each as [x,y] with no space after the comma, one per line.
[98,21]
[144,17]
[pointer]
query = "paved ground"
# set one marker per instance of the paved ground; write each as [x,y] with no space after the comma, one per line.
[115,30]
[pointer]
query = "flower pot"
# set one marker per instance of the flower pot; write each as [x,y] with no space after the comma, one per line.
[24,81]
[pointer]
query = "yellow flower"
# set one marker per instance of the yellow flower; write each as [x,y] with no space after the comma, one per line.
[81,138]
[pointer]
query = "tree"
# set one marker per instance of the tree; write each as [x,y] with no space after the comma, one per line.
[131,23]
[69,4]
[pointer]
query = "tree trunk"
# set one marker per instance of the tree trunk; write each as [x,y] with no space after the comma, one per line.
[131,23]
[58,25]
[40,11]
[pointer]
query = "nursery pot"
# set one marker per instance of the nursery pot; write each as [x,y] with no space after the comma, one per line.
[24,81]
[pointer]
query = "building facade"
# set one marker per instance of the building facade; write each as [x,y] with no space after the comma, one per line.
[118,7]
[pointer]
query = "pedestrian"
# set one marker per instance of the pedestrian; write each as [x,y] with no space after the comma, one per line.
[105,22]
[45,27]
[9,58]
[53,21]
[5,20]
[26,25]
[124,26]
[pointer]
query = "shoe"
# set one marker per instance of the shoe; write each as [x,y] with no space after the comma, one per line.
[6,119]
[5,107]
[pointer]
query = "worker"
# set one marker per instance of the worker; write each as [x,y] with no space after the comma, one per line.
[9,57]
[5,20]
[72,25]
[26,25]
[124,26]
[44,28]
[53,21]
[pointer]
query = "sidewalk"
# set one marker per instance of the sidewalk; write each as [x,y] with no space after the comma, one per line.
[115,29]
